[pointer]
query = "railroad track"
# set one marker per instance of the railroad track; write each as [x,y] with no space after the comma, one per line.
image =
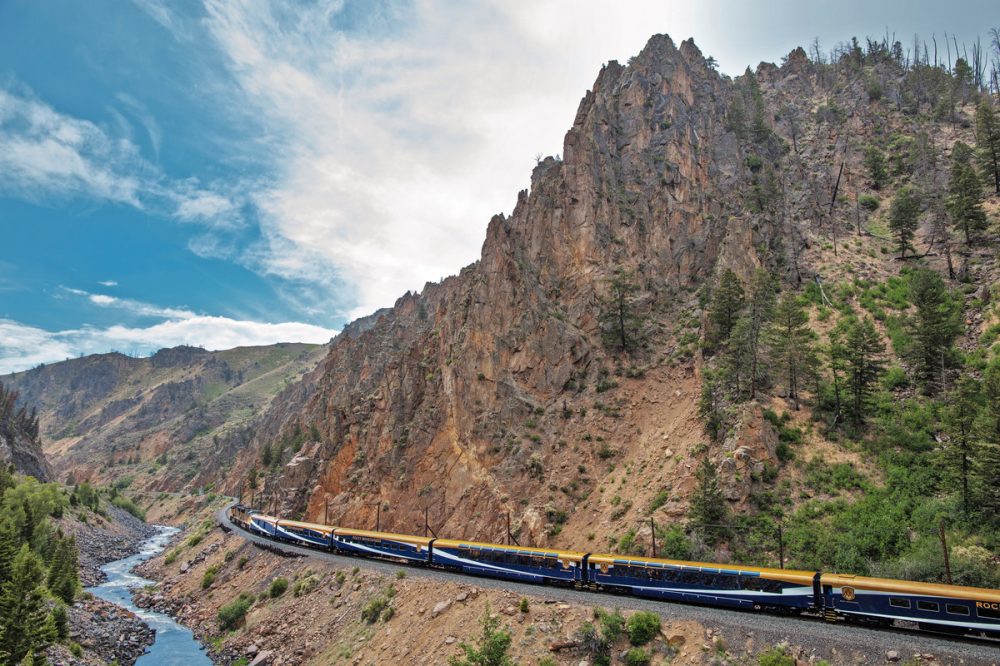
[837,643]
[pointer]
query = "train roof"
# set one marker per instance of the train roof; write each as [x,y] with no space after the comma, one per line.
[788,575]
[309,526]
[406,538]
[911,587]
[551,552]
[265,517]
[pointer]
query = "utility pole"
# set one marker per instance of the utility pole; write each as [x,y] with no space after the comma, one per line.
[652,535]
[781,547]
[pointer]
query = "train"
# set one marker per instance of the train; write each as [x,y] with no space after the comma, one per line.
[934,607]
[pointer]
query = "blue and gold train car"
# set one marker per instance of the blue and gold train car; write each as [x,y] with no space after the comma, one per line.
[309,534]
[947,608]
[698,582]
[263,524]
[511,562]
[383,544]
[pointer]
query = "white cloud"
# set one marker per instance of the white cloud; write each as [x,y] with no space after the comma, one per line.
[23,347]
[47,154]
[108,283]
[402,138]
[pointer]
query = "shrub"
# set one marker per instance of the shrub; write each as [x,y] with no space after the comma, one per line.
[209,577]
[636,657]
[868,202]
[231,615]
[126,504]
[278,587]
[373,610]
[523,606]
[171,556]
[612,624]
[305,585]
[658,501]
[242,562]
[776,656]
[642,627]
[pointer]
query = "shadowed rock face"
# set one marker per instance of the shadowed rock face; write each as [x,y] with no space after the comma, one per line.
[417,409]
[26,454]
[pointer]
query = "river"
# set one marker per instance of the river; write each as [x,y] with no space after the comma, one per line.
[175,645]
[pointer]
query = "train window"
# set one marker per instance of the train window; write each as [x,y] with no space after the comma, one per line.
[956,609]
[899,602]
[928,606]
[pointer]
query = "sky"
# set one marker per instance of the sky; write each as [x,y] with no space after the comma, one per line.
[226,173]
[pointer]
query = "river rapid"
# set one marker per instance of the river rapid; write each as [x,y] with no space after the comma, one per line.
[175,644]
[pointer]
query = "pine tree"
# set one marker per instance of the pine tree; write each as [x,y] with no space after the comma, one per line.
[10,543]
[933,327]
[620,319]
[987,465]
[965,194]
[960,413]
[710,405]
[760,310]
[791,343]
[727,302]
[25,624]
[874,162]
[63,578]
[988,143]
[863,362]
[708,505]
[904,215]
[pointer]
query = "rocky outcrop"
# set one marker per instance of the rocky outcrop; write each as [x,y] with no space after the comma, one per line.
[422,408]
[105,631]
[19,441]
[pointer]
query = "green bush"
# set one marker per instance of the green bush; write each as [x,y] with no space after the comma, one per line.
[642,627]
[776,656]
[231,615]
[278,587]
[242,562]
[636,657]
[612,624]
[125,503]
[374,609]
[868,202]
[209,577]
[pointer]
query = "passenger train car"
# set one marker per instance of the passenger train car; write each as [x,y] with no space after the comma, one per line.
[942,608]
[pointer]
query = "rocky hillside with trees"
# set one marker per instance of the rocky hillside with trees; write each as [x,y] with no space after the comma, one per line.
[110,417]
[755,315]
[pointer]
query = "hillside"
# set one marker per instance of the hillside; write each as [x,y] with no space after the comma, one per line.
[561,379]
[19,441]
[153,421]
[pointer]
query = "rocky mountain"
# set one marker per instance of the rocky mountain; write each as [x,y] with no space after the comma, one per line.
[19,442]
[557,379]
[153,421]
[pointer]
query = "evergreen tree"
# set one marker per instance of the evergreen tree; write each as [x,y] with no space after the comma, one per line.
[708,506]
[933,326]
[904,215]
[724,309]
[791,343]
[620,320]
[760,310]
[63,578]
[10,543]
[960,413]
[874,162]
[987,467]
[965,194]
[25,625]
[863,363]
[710,405]
[988,143]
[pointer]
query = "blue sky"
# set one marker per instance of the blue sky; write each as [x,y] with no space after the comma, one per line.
[243,172]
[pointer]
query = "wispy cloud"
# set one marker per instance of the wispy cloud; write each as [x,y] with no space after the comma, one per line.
[108,283]
[49,155]
[23,347]
[137,308]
